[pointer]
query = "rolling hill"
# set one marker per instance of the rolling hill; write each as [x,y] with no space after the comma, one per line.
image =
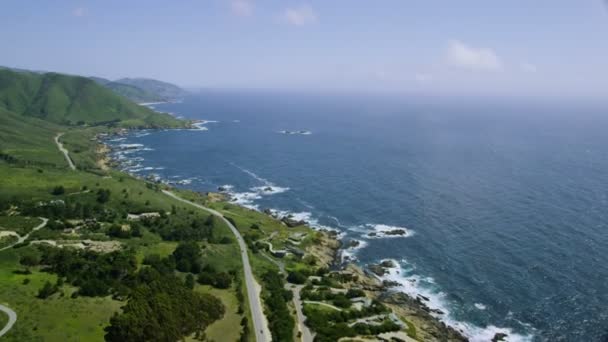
[164,90]
[73,100]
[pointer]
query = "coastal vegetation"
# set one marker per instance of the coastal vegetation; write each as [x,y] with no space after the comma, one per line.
[106,255]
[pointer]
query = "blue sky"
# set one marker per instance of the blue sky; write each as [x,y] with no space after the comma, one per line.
[557,47]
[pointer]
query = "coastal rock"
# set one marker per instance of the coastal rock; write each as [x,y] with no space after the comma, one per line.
[396,232]
[222,189]
[423,297]
[499,337]
[388,264]
[290,222]
[353,244]
[415,311]
[390,283]
[376,269]
[269,212]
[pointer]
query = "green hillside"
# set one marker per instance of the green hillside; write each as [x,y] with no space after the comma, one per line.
[25,140]
[134,93]
[164,90]
[73,100]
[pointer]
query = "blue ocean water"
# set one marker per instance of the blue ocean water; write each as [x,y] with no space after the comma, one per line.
[504,201]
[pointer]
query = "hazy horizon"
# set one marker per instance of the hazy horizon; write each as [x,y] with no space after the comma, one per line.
[469,48]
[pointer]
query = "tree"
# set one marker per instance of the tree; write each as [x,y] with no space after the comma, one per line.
[58,190]
[187,257]
[189,282]
[161,308]
[103,195]
[47,290]
[296,277]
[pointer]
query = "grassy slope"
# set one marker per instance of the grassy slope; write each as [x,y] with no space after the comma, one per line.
[162,89]
[134,93]
[68,99]
[59,318]
[19,224]
[29,139]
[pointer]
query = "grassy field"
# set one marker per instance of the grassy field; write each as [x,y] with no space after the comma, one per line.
[58,318]
[228,328]
[7,240]
[81,147]
[18,224]
[3,319]
[31,184]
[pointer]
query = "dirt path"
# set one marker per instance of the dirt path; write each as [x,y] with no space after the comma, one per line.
[12,318]
[23,238]
[64,151]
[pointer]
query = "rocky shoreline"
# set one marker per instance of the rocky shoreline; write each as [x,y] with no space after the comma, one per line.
[428,327]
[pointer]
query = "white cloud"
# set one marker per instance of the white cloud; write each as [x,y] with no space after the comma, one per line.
[423,78]
[462,55]
[242,8]
[528,67]
[300,16]
[79,12]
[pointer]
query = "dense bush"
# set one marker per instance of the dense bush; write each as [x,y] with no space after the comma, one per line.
[188,257]
[96,274]
[162,308]
[276,298]
[296,277]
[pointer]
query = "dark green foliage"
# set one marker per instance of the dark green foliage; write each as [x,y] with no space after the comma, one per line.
[296,277]
[96,274]
[333,325]
[47,290]
[30,258]
[220,280]
[58,190]
[188,257]
[276,298]
[161,308]
[116,231]
[181,228]
[354,293]
[189,282]
[103,195]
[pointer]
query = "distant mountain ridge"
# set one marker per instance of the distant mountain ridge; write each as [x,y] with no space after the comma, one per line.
[163,89]
[138,90]
[73,100]
[143,89]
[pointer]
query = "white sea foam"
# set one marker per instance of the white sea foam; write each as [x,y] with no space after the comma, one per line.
[118,139]
[480,306]
[349,254]
[269,189]
[417,286]
[301,132]
[130,146]
[381,231]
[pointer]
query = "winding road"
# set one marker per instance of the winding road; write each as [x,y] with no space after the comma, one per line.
[260,325]
[65,152]
[12,315]
[12,318]
[23,238]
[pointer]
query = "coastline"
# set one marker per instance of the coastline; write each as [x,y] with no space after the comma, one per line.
[430,319]
[329,253]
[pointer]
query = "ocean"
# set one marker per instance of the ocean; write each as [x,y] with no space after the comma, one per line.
[502,202]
